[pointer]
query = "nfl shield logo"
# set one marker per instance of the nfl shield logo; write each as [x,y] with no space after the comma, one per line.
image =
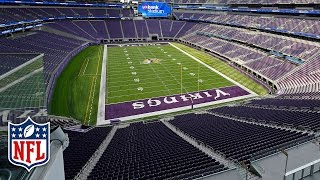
[28,144]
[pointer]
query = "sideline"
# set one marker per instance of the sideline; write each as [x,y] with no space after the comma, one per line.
[102,94]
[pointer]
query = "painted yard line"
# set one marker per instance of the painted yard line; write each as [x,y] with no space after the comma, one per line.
[88,102]
[185,62]
[95,83]
[122,58]
[94,90]
[102,93]
[80,74]
[116,88]
[90,75]
[121,70]
[156,73]
[185,77]
[233,81]
[152,87]
[163,95]
[144,71]
[138,76]
[100,58]
[83,67]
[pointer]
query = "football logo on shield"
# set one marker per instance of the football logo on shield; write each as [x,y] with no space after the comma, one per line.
[29,144]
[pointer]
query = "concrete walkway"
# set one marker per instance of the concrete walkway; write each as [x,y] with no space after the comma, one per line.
[102,94]
[274,166]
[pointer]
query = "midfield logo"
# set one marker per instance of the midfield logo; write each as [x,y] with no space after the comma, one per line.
[28,144]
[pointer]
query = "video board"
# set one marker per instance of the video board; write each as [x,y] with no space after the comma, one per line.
[154,9]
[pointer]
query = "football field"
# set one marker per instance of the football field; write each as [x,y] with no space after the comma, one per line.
[137,73]
[141,71]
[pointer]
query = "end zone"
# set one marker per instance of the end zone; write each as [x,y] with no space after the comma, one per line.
[168,104]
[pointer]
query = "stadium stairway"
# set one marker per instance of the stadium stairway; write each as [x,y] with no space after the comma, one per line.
[82,30]
[180,30]
[121,29]
[231,164]
[260,123]
[210,152]
[88,167]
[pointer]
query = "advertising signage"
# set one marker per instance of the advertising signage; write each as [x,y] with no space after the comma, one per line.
[154,9]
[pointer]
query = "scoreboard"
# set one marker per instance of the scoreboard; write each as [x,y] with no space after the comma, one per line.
[154,9]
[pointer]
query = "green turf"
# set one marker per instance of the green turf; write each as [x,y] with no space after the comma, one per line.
[130,79]
[76,92]
[225,69]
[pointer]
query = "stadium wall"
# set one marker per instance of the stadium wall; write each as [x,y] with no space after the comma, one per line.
[58,71]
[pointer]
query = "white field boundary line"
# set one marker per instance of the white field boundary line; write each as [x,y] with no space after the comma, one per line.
[94,85]
[102,93]
[231,80]
[178,109]
[21,66]
[92,98]
[21,79]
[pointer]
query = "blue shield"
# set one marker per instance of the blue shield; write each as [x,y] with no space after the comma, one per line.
[29,144]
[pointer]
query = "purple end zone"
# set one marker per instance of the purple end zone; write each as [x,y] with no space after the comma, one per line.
[169,102]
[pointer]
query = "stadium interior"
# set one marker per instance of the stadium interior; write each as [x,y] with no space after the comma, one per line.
[164,89]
